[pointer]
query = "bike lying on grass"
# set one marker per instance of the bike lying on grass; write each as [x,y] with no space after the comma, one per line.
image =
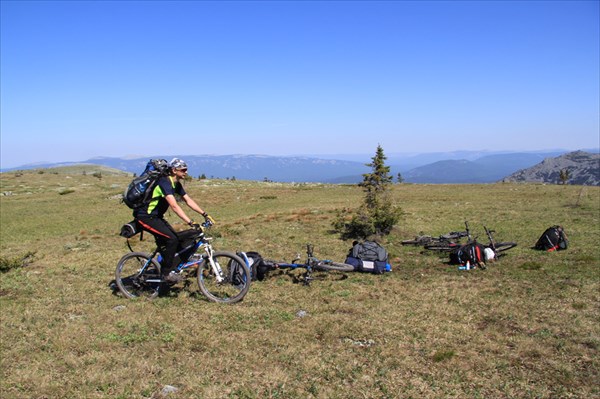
[422,240]
[449,243]
[310,265]
[222,276]
[497,247]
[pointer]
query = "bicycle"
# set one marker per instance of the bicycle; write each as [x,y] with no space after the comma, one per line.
[497,247]
[222,276]
[446,242]
[311,264]
[422,240]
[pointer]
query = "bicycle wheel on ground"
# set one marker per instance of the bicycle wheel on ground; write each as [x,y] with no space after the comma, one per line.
[336,266]
[232,284]
[138,275]
[454,235]
[418,241]
[504,246]
[442,246]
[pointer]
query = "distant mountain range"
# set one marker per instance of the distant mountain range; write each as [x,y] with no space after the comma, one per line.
[487,169]
[450,167]
[582,168]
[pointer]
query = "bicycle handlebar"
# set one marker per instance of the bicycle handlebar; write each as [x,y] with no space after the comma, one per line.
[309,250]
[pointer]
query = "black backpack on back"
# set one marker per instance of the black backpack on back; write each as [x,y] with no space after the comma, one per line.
[139,191]
[553,239]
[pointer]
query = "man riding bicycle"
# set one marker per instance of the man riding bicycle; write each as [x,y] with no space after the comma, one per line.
[151,217]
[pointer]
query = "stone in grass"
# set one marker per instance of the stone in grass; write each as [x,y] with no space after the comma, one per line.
[168,389]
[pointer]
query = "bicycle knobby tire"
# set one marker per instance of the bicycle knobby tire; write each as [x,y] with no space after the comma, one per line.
[442,247]
[504,246]
[236,276]
[138,275]
[334,266]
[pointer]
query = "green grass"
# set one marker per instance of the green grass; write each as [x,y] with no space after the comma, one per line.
[526,327]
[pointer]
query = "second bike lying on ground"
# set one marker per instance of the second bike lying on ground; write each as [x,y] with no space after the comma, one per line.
[222,276]
[310,265]
[451,241]
[422,240]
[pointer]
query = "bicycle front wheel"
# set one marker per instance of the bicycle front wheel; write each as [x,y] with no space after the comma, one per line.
[335,266]
[229,283]
[504,246]
[138,275]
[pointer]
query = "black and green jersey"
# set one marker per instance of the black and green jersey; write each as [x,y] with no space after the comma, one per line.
[158,205]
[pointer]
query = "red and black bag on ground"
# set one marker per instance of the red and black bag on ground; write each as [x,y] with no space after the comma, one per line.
[474,253]
[553,239]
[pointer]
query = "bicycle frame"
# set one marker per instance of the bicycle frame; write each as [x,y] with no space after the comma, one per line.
[491,238]
[498,247]
[209,251]
[202,242]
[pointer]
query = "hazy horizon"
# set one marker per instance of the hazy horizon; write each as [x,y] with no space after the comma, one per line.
[355,157]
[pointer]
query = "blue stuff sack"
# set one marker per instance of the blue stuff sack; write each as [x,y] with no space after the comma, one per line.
[372,266]
[353,262]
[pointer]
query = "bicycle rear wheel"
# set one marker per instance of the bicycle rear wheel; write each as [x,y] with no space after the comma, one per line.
[335,266]
[504,246]
[235,278]
[442,246]
[138,275]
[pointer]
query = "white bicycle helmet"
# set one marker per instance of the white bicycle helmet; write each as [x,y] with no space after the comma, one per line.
[177,163]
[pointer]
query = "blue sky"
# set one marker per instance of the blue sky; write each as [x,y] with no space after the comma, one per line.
[118,78]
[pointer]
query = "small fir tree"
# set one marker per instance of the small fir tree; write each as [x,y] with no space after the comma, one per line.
[378,214]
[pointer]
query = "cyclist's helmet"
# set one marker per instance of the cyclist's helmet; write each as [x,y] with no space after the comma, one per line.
[177,163]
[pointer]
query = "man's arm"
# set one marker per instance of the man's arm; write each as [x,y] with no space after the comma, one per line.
[177,209]
[193,205]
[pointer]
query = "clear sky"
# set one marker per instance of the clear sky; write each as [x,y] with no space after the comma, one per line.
[81,79]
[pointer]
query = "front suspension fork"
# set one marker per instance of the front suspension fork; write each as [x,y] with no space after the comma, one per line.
[215,266]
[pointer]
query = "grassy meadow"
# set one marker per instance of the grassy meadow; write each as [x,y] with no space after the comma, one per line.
[526,327]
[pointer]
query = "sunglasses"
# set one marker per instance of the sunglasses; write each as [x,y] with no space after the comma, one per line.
[182,170]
